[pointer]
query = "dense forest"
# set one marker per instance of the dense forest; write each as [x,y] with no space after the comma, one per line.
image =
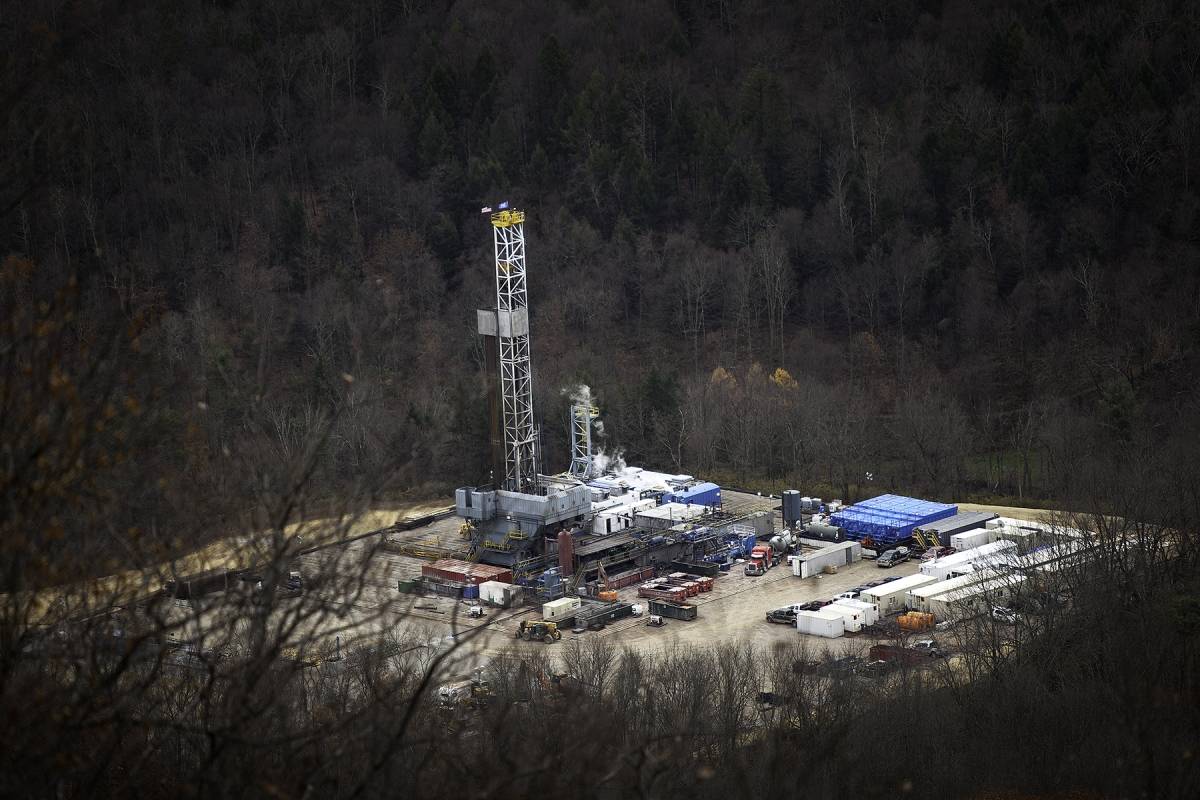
[966,233]
[949,248]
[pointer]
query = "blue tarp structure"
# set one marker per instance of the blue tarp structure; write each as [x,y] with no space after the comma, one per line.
[890,518]
[702,494]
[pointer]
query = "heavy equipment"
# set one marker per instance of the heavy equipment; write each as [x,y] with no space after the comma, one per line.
[546,631]
[471,692]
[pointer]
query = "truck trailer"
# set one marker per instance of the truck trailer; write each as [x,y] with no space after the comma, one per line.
[827,624]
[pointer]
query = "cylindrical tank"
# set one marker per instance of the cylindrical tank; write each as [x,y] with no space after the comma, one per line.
[792,507]
[566,553]
[780,542]
[828,533]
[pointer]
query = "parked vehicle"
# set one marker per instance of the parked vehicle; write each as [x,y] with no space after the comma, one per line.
[781,543]
[761,559]
[655,621]
[873,668]
[1005,615]
[811,605]
[850,595]
[890,558]
[785,615]
[929,647]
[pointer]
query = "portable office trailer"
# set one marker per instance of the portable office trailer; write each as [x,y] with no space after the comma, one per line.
[978,598]
[969,540]
[852,618]
[972,560]
[870,611]
[918,598]
[828,624]
[1052,557]
[944,529]
[892,596]
[835,555]
[561,610]
[1025,537]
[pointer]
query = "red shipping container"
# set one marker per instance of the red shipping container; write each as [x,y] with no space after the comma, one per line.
[465,572]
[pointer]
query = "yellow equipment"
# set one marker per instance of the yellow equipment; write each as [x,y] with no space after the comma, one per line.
[546,631]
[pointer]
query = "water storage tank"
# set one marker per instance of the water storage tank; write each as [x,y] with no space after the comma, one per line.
[566,553]
[793,505]
[829,533]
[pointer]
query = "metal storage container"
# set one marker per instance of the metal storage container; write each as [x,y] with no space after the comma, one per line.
[808,564]
[852,618]
[827,624]
[465,572]
[969,540]
[498,594]
[681,611]
[561,609]
[944,529]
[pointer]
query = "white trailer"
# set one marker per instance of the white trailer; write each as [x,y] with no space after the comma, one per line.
[668,515]
[892,597]
[828,624]
[852,618]
[978,598]
[918,599]
[497,593]
[969,540]
[870,611]
[562,609]
[806,565]
[982,557]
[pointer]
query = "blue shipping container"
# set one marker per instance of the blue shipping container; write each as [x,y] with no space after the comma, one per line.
[470,592]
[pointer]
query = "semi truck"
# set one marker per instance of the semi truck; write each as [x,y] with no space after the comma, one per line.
[760,560]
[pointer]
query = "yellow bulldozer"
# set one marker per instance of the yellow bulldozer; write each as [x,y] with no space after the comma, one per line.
[546,631]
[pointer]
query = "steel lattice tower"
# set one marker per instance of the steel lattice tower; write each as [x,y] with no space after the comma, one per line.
[512,334]
[582,415]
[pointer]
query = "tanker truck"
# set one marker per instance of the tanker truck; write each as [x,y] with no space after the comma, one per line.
[782,542]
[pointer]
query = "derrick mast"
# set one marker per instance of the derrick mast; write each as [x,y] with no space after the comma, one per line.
[512,339]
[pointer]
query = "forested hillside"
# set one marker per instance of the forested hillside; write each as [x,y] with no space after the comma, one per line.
[966,232]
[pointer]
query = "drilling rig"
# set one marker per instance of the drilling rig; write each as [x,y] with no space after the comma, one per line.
[511,518]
